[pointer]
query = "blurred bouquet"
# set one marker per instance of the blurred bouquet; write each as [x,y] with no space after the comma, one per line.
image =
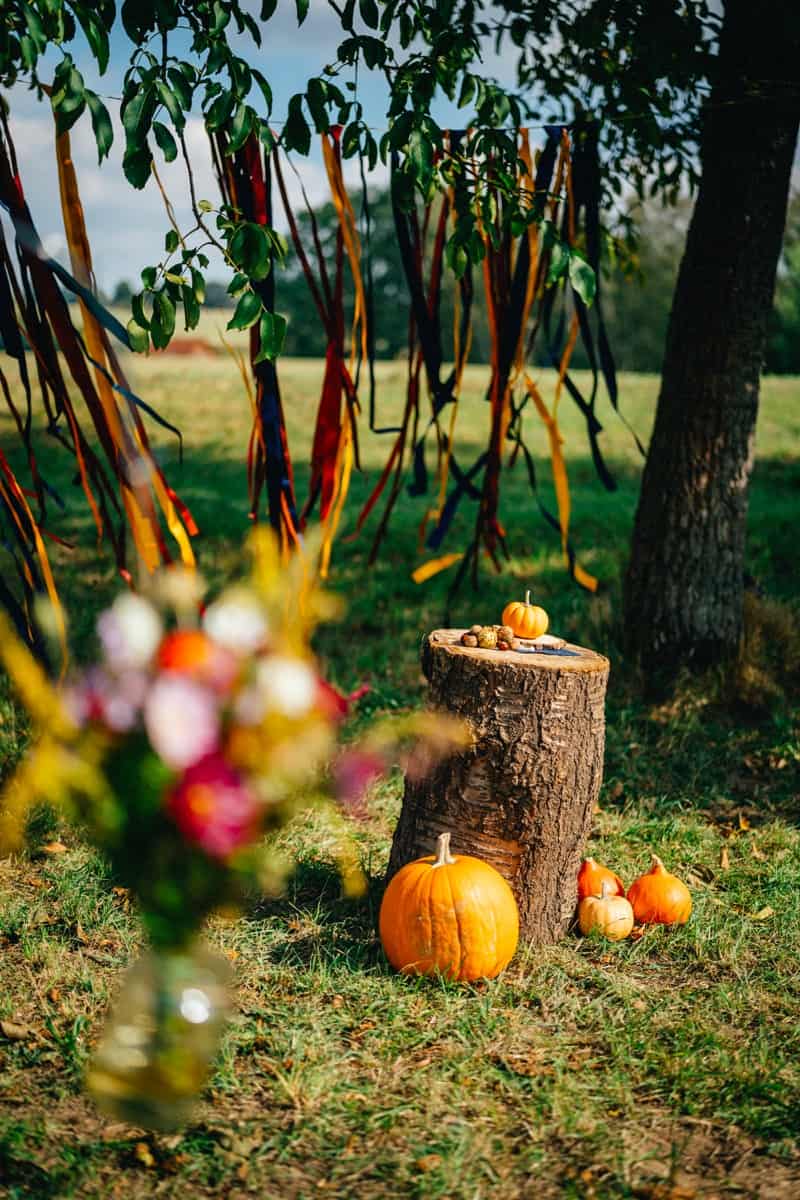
[190,738]
[195,734]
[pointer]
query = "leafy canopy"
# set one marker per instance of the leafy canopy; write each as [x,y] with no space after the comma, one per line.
[632,66]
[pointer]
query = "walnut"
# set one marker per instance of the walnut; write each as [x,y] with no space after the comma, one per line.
[469,639]
[487,639]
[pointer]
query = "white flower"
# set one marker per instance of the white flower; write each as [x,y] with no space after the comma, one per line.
[236,621]
[287,685]
[129,632]
[181,720]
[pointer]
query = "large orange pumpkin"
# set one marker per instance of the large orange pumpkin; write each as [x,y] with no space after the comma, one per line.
[527,620]
[449,914]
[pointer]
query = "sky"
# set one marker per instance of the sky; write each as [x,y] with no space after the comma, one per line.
[126,227]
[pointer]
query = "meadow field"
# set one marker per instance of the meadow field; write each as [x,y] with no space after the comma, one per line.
[664,1068]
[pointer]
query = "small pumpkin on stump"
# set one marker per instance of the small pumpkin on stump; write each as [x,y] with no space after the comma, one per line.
[659,898]
[447,914]
[525,619]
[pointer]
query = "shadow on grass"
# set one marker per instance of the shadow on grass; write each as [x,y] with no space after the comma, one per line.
[314,922]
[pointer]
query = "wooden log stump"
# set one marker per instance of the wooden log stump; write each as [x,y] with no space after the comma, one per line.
[522,796]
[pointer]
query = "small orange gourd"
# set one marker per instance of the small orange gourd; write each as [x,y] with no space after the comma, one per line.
[449,914]
[659,898]
[527,620]
[591,877]
[606,913]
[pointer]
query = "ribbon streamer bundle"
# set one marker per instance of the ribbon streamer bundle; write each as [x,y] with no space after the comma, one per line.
[126,489]
[122,482]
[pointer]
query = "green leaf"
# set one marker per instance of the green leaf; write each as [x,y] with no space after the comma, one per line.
[35,28]
[181,88]
[241,127]
[582,278]
[198,286]
[268,8]
[136,165]
[220,110]
[272,332]
[249,249]
[171,241]
[166,142]
[369,13]
[241,77]
[137,308]
[138,337]
[302,10]
[457,257]
[191,308]
[315,98]
[351,139]
[96,36]
[221,18]
[237,284]
[296,133]
[205,206]
[101,125]
[149,275]
[28,51]
[170,102]
[178,280]
[136,113]
[248,310]
[559,260]
[263,83]
[162,325]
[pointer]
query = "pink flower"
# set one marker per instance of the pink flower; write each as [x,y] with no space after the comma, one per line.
[181,719]
[214,808]
[353,772]
[129,632]
[103,699]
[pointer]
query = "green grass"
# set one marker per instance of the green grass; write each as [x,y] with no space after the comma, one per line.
[588,1070]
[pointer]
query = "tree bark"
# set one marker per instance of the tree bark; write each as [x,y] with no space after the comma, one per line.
[521,798]
[684,585]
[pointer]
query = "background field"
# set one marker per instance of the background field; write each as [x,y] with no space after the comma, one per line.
[665,1067]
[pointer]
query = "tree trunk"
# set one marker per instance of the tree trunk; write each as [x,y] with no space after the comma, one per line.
[684,586]
[521,797]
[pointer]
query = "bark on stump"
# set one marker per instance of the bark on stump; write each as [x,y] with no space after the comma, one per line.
[522,796]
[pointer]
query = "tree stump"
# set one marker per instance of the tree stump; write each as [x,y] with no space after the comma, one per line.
[522,796]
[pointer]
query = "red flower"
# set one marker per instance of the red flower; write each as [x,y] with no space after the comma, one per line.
[214,808]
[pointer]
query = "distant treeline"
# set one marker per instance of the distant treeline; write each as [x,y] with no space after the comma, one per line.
[636,306]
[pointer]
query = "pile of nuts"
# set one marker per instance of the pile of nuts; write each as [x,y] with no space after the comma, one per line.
[489,637]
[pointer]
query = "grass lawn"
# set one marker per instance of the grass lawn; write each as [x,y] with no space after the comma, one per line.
[663,1068]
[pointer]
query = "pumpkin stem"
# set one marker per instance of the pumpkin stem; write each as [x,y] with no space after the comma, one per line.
[605,890]
[443,856]
[657,864]
[528,596]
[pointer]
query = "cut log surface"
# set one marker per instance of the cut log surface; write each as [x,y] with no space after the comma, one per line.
[521,798]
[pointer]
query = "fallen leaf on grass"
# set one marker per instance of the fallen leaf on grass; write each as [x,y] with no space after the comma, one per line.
[764,914]
[724,859]
[144,1155]
[15,1032]
[428,1162]
[756,853]
[54,848]
[118,1132]
[80,935]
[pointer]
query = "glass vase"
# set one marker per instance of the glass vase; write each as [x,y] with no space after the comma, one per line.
[159,1043]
